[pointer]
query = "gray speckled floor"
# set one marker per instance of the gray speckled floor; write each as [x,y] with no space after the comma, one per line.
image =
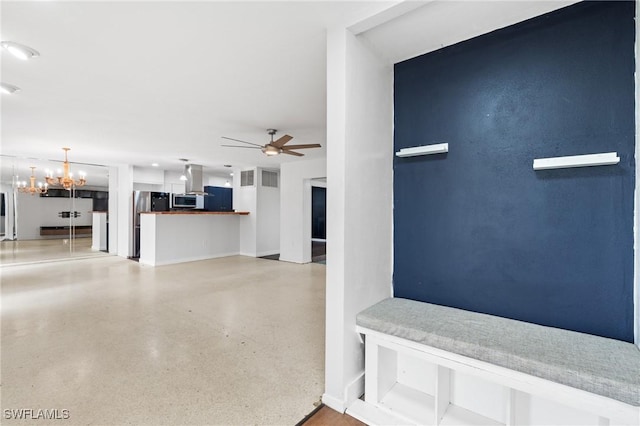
[235,340]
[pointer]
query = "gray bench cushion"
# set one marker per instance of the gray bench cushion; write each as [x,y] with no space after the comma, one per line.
[595,364]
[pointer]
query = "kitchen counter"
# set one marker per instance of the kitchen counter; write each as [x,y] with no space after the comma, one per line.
[182,212]
[186,236]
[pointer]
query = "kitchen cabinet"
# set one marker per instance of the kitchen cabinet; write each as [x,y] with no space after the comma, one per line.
[218,199]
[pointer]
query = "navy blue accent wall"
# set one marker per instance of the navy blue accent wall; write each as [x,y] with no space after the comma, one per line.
[479,229]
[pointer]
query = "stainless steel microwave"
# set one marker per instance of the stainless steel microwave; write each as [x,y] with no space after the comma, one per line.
[187,201]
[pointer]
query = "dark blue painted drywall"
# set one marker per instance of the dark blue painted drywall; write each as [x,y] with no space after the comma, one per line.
[478,228]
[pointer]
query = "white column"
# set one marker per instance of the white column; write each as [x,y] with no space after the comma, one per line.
[359,204]
[245,199]
[120,210]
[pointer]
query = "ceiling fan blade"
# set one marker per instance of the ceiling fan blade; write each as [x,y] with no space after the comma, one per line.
[239,146]
[286,151]
[309,145]
[278,143]
[238,140]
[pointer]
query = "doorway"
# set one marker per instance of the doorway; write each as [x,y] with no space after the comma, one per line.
[318,222]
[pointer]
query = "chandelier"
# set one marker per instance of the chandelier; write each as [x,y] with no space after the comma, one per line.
[66,180]
[32,188]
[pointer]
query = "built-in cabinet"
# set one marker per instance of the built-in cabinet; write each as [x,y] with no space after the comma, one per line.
[219,199]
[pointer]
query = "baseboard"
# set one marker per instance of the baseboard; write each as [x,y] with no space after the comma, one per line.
[267,253]
[185,259]
[353,391]
[334,403]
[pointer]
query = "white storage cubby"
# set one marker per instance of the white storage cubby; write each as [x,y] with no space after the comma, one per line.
[410,383]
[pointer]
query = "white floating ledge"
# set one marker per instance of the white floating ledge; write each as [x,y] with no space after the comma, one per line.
[604,159]
[438,148]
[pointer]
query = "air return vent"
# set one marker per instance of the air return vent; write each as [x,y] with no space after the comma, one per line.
[269,179]
[246,178]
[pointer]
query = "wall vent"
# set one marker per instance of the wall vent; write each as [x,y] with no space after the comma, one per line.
[246,178]
[269,179]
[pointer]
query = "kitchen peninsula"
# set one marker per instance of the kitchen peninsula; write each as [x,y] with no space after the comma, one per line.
[186,236]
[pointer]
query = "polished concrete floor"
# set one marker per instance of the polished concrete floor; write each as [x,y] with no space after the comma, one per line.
[234,340]
[29,251]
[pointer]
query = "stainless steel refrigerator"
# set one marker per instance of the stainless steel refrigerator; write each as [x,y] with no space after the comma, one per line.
[146,201]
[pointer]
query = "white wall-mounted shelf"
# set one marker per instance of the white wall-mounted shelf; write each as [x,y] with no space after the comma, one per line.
[603,159]
[439,148]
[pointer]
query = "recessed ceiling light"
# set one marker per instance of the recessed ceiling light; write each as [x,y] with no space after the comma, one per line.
[155,165]
[18,50]
[8,88]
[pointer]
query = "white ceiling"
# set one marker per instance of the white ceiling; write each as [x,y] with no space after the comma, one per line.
[144,82]
[442,23]
[155,81]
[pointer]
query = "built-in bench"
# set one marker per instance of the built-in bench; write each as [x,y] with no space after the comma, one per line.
[430,364]
[49,231]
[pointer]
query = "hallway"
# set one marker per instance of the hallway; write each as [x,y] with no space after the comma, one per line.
[234,340]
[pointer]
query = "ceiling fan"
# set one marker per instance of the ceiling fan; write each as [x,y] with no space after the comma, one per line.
[274,147]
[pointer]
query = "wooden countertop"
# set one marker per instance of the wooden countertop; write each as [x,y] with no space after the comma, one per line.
[198,212]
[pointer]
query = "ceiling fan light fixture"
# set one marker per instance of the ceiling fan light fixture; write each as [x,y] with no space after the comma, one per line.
[271,150]
[8,88]
[20,51]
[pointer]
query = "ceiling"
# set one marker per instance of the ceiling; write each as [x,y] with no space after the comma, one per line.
[442,23]
[151,82]
[155,81]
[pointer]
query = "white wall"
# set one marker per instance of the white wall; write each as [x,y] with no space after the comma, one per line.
[34,211]
[245,199]
[172,182]
[216,180]
[295,205]
[268,218]
[148,187]
[153,179]
[259,231]
[148,175]
[359,204]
